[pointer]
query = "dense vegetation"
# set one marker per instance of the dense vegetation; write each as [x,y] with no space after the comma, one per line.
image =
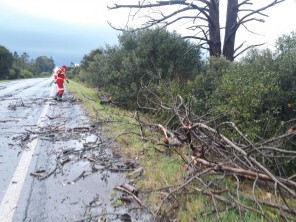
[254,96]
[14,66]
[257,92]
[145,57]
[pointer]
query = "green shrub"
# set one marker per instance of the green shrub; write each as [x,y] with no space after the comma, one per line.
[247,94]
[142,57]
[26,74]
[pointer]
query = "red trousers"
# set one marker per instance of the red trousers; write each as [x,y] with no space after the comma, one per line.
[60,84]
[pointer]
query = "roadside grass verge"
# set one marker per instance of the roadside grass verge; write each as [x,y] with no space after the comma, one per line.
[164,169]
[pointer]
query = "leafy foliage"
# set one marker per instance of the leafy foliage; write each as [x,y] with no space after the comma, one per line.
[141,57]
[6,60]
[26,74]
[43,64]
[248,94]
[286,65]
[254,92]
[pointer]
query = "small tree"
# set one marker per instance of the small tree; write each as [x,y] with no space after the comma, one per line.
[43,64]
[87,59]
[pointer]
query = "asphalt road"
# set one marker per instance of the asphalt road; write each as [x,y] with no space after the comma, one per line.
[54,163]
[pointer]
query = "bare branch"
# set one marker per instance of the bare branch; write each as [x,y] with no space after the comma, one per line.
[261,9]
[249,47]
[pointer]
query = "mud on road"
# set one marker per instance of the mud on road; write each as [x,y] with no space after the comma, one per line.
[71,170]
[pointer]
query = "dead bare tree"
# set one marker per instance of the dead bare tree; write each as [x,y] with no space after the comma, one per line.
[202,19]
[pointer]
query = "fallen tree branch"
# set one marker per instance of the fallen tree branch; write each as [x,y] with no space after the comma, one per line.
[246,173]
[123,188]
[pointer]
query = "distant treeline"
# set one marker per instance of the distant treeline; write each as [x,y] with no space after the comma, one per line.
[14,66]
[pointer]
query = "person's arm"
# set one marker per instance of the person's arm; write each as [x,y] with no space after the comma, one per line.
[55,77]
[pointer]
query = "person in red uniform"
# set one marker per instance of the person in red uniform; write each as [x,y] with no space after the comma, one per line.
[59,78]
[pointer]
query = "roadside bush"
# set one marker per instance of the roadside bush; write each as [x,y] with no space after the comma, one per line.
[142,57]
[201,88]
[247,94]
[286,65]
[27,74]
[14,73]
[73,72]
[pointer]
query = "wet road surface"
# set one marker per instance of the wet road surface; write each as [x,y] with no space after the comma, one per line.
[54,163]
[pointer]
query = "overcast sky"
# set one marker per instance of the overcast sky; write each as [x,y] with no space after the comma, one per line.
[63,29]
[69,29]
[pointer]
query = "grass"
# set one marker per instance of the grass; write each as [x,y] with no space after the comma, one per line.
[161,169]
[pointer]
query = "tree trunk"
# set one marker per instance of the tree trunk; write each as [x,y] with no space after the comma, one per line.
[214,29]
[230,29]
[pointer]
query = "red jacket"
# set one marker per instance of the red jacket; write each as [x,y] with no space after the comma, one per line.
[60,76]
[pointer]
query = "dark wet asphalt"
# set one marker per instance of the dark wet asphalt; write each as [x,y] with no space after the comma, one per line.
[66,186]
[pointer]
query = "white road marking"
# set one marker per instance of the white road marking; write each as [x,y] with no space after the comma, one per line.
[10,199]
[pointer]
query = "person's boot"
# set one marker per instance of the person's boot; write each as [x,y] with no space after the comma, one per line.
[60,97]
[56,96]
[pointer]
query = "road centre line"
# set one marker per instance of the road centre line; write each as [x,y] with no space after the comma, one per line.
[10,199]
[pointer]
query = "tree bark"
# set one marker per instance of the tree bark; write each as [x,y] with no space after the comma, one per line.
[214,29]
[230,29]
